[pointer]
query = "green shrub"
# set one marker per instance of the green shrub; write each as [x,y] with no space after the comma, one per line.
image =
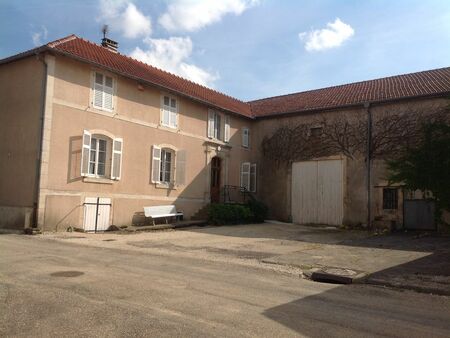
[258,209]
[229,214]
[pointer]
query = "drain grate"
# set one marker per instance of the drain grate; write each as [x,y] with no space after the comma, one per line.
[67,274]
[109,240]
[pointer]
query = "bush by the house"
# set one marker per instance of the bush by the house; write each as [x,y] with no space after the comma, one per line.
[258,209]
[229,214]
[252,212]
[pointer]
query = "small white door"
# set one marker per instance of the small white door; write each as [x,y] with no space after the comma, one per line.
[317,192]
[90,213]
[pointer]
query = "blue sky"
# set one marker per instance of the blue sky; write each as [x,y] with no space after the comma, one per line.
[248,48]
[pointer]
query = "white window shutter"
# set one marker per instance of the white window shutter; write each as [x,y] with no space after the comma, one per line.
[253,177]
[85,153]
[226,136]
[98,95]
[180,178]
[116,165]
[245,137]
[108,93]
[210,123]
[245,175]
[173,117]
[156,163]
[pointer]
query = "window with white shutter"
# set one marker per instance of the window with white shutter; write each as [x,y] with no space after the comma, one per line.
[169,111]
[156,164]
[214,125]
[245,175]
[245,137]
[180,169]
[116,165]
[226,136]
[85,153]
[103,93]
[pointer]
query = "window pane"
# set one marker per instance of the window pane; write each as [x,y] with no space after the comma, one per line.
[173,103]
[166,100]
[101,157]
[101,169]
[390,198]
[92,157]
[92,168]
[98,78]
[108,81]
[102,145]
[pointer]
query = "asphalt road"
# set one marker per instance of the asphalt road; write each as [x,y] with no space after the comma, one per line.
[55,289]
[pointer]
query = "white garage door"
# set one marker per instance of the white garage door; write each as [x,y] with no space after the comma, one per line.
[91,213]
[317,192]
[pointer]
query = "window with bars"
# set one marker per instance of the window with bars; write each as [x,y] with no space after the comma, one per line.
[390,198]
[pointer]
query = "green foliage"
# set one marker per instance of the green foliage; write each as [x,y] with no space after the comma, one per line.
[229,214]
[258,209]
[426,166]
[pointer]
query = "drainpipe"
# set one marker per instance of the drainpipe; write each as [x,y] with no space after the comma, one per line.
[40,57]
[368,163]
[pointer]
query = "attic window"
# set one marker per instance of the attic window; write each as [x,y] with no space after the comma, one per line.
[316,131]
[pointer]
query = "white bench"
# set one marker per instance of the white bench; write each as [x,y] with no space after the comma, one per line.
[162,211]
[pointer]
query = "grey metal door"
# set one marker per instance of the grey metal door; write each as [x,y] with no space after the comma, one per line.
[419,215]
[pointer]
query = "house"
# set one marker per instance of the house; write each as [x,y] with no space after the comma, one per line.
[81,124]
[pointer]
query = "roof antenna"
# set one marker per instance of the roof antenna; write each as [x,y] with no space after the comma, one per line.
[105,31]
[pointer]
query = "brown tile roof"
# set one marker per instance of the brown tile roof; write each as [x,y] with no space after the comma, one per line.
[426,83]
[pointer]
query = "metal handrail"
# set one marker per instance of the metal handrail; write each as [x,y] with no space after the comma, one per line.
[229,192]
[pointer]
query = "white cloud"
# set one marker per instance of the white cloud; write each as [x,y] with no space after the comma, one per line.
[333,36]
[40,35]
[123,16]
[171,55]
[191,15]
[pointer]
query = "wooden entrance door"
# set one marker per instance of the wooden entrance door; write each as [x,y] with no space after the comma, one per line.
[317,192]
[215,179]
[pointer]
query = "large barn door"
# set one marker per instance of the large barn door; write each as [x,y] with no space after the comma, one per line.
[317,192]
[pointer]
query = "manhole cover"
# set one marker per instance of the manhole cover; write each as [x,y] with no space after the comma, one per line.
[337,275]
[67,274]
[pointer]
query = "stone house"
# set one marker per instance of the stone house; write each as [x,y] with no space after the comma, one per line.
[80,121]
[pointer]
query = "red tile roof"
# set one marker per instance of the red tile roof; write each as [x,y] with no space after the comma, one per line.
[421,84]
[90,52]
[427,83]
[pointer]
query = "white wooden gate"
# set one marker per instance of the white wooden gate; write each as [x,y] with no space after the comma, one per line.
[317,192]
[91,213]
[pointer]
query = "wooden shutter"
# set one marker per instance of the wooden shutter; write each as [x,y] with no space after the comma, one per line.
[85,153]
[156,163]
[253,177]
[245,175]
[98,90]
[180,169]
[116,165]
[245,137]
[210,123]
[108,92]
[226,136]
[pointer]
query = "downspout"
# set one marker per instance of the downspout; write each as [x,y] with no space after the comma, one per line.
[41,141]
[368,163]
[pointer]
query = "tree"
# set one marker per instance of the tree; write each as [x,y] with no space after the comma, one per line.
[426,166]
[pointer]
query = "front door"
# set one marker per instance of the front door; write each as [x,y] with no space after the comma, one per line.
[215,179]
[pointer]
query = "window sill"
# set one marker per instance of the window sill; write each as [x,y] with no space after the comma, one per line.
[100,180]
[169,128]
[168,186]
